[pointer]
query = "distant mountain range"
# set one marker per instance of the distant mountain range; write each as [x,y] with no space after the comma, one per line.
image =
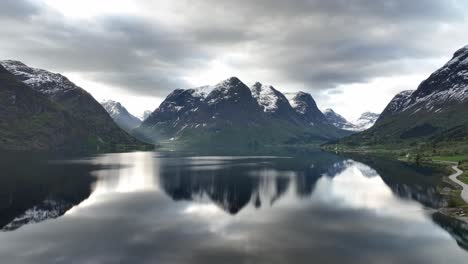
[365,121]
[42,110]
[433,116]
[230,113]
[46,111]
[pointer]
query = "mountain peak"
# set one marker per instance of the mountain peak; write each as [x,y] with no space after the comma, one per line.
[268,97]
[445,86]
[12,62]
[398,103]
[120,115]
[112,107]
[91,118]
[461,51]
[365,121]
[43,81]
[231,81]
[435,113]
[337,120]
[257,85]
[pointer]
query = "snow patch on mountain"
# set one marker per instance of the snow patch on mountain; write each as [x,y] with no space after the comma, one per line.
[112,107]
[46,82]
[398,103]
[296,102]
[202,91]
[291,98]
[365,121]
[266,96]
[446,86]
[338,120]
[120,115]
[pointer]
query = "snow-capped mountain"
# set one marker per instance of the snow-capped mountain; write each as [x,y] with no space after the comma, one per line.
[275,103]
[365,121]
[75,100]
[434,113]
[398,103]
[448,85]
[306,107]
[145,115]
[49,126]
[270,99]
[445,87]
[338,120]
[45,82]
[256,114]
[120,115]
[228,103]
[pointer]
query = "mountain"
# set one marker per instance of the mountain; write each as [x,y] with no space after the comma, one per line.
[30,121]
[274,103]
[365,121]
[338,120]
[100,129]
[307,109]
[432,117]
[397,104]
[121,116]
[145,115]
[230,113]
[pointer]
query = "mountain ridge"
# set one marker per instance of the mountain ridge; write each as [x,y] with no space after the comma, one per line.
[230,111]
[364,122]
[101,130]
[432,118]
[121,116]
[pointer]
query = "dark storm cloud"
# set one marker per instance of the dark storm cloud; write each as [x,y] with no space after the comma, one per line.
[319,44]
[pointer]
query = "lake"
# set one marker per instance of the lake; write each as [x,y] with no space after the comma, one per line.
[150,207]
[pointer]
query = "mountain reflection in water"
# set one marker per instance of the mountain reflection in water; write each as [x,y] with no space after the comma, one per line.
[155,207]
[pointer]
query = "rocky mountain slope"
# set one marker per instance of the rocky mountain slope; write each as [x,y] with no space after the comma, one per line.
[365,121]
[230,113]
[306,107]
[435,114]
[338,120]
[30,121]
[100,129]
[121,116]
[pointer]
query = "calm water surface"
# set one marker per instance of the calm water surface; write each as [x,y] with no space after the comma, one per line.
[148,207]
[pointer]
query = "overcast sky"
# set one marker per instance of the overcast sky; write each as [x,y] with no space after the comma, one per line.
[352,56]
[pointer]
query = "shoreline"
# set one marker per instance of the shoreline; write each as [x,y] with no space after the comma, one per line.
[454,178]
[459,211]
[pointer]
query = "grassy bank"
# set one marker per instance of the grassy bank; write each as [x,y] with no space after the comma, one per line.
[411,153]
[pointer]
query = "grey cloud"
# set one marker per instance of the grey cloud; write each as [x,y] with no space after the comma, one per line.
[319,44]
[19,8]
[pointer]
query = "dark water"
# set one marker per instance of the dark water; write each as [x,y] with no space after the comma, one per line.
[149,207]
